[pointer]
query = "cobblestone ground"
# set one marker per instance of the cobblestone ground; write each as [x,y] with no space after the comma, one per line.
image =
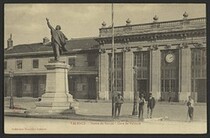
[176,123]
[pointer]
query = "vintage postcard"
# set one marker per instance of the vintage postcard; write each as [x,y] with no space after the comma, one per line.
[111,68]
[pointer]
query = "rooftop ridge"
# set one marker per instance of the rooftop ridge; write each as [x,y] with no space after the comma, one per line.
[80,38]
[25,44]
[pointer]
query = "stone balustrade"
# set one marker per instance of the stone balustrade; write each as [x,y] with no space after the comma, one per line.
[184,24]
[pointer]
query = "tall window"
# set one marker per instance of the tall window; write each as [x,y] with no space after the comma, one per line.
[19,64]
[72,83]
[5,65]
[91,58]
[118,72]
[141,62]
[198,73]
[35,63]
[72,62]
[199,63]
[170,74]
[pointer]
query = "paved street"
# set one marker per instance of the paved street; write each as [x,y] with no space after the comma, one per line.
[46,126]
[176,123]
[175,112]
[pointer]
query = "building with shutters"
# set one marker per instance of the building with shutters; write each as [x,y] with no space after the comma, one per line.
[167,59]
[28,60]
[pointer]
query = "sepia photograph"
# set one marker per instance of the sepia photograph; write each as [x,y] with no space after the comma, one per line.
[105,68]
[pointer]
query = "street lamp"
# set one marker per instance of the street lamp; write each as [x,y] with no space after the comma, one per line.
[97,93]
[135,100]
[112,66]
[11,75]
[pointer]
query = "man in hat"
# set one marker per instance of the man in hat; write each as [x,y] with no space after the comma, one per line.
[58,40]
[150,105]
[118,102]
[141,106]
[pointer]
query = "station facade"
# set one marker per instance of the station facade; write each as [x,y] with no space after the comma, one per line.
[167,59]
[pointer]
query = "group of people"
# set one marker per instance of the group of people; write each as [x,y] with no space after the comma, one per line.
[150,105]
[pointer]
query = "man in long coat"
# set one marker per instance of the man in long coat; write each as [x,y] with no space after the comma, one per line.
[58,40]
[150,105]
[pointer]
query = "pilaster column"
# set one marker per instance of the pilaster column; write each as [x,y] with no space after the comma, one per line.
[185,74]
[155,73]
[128,81]
[104,76]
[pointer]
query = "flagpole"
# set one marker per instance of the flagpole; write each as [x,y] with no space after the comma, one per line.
[112,61]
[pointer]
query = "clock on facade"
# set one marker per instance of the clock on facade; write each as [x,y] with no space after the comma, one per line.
[170,58]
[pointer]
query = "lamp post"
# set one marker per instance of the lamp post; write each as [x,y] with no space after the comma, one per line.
[135,99]
[97,93]
[112,65]
[11,75]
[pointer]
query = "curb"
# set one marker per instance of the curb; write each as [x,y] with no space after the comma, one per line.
[87,118]
[15,114]
[58,116]
[71,117]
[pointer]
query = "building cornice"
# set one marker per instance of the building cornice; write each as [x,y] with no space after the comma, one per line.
[182,34]
[146,45]
[47,53]
[27,73]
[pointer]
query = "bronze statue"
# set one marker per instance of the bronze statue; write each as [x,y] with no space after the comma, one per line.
[58,40]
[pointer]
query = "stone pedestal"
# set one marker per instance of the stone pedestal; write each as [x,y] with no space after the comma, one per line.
[56,98]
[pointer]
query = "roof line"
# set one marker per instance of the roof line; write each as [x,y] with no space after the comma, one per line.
[79,38]
[28,44]
[43,52]
[28,53]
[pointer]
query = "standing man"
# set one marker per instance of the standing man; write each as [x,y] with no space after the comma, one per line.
[58,40]
[150,105]
[190,105]
[141,106]
[118,102]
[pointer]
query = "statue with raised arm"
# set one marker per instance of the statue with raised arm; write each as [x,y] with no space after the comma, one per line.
[58,40]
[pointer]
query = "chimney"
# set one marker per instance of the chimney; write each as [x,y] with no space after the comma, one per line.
[10,42]
[46,41]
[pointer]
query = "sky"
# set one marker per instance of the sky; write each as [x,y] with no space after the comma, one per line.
[27,22]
